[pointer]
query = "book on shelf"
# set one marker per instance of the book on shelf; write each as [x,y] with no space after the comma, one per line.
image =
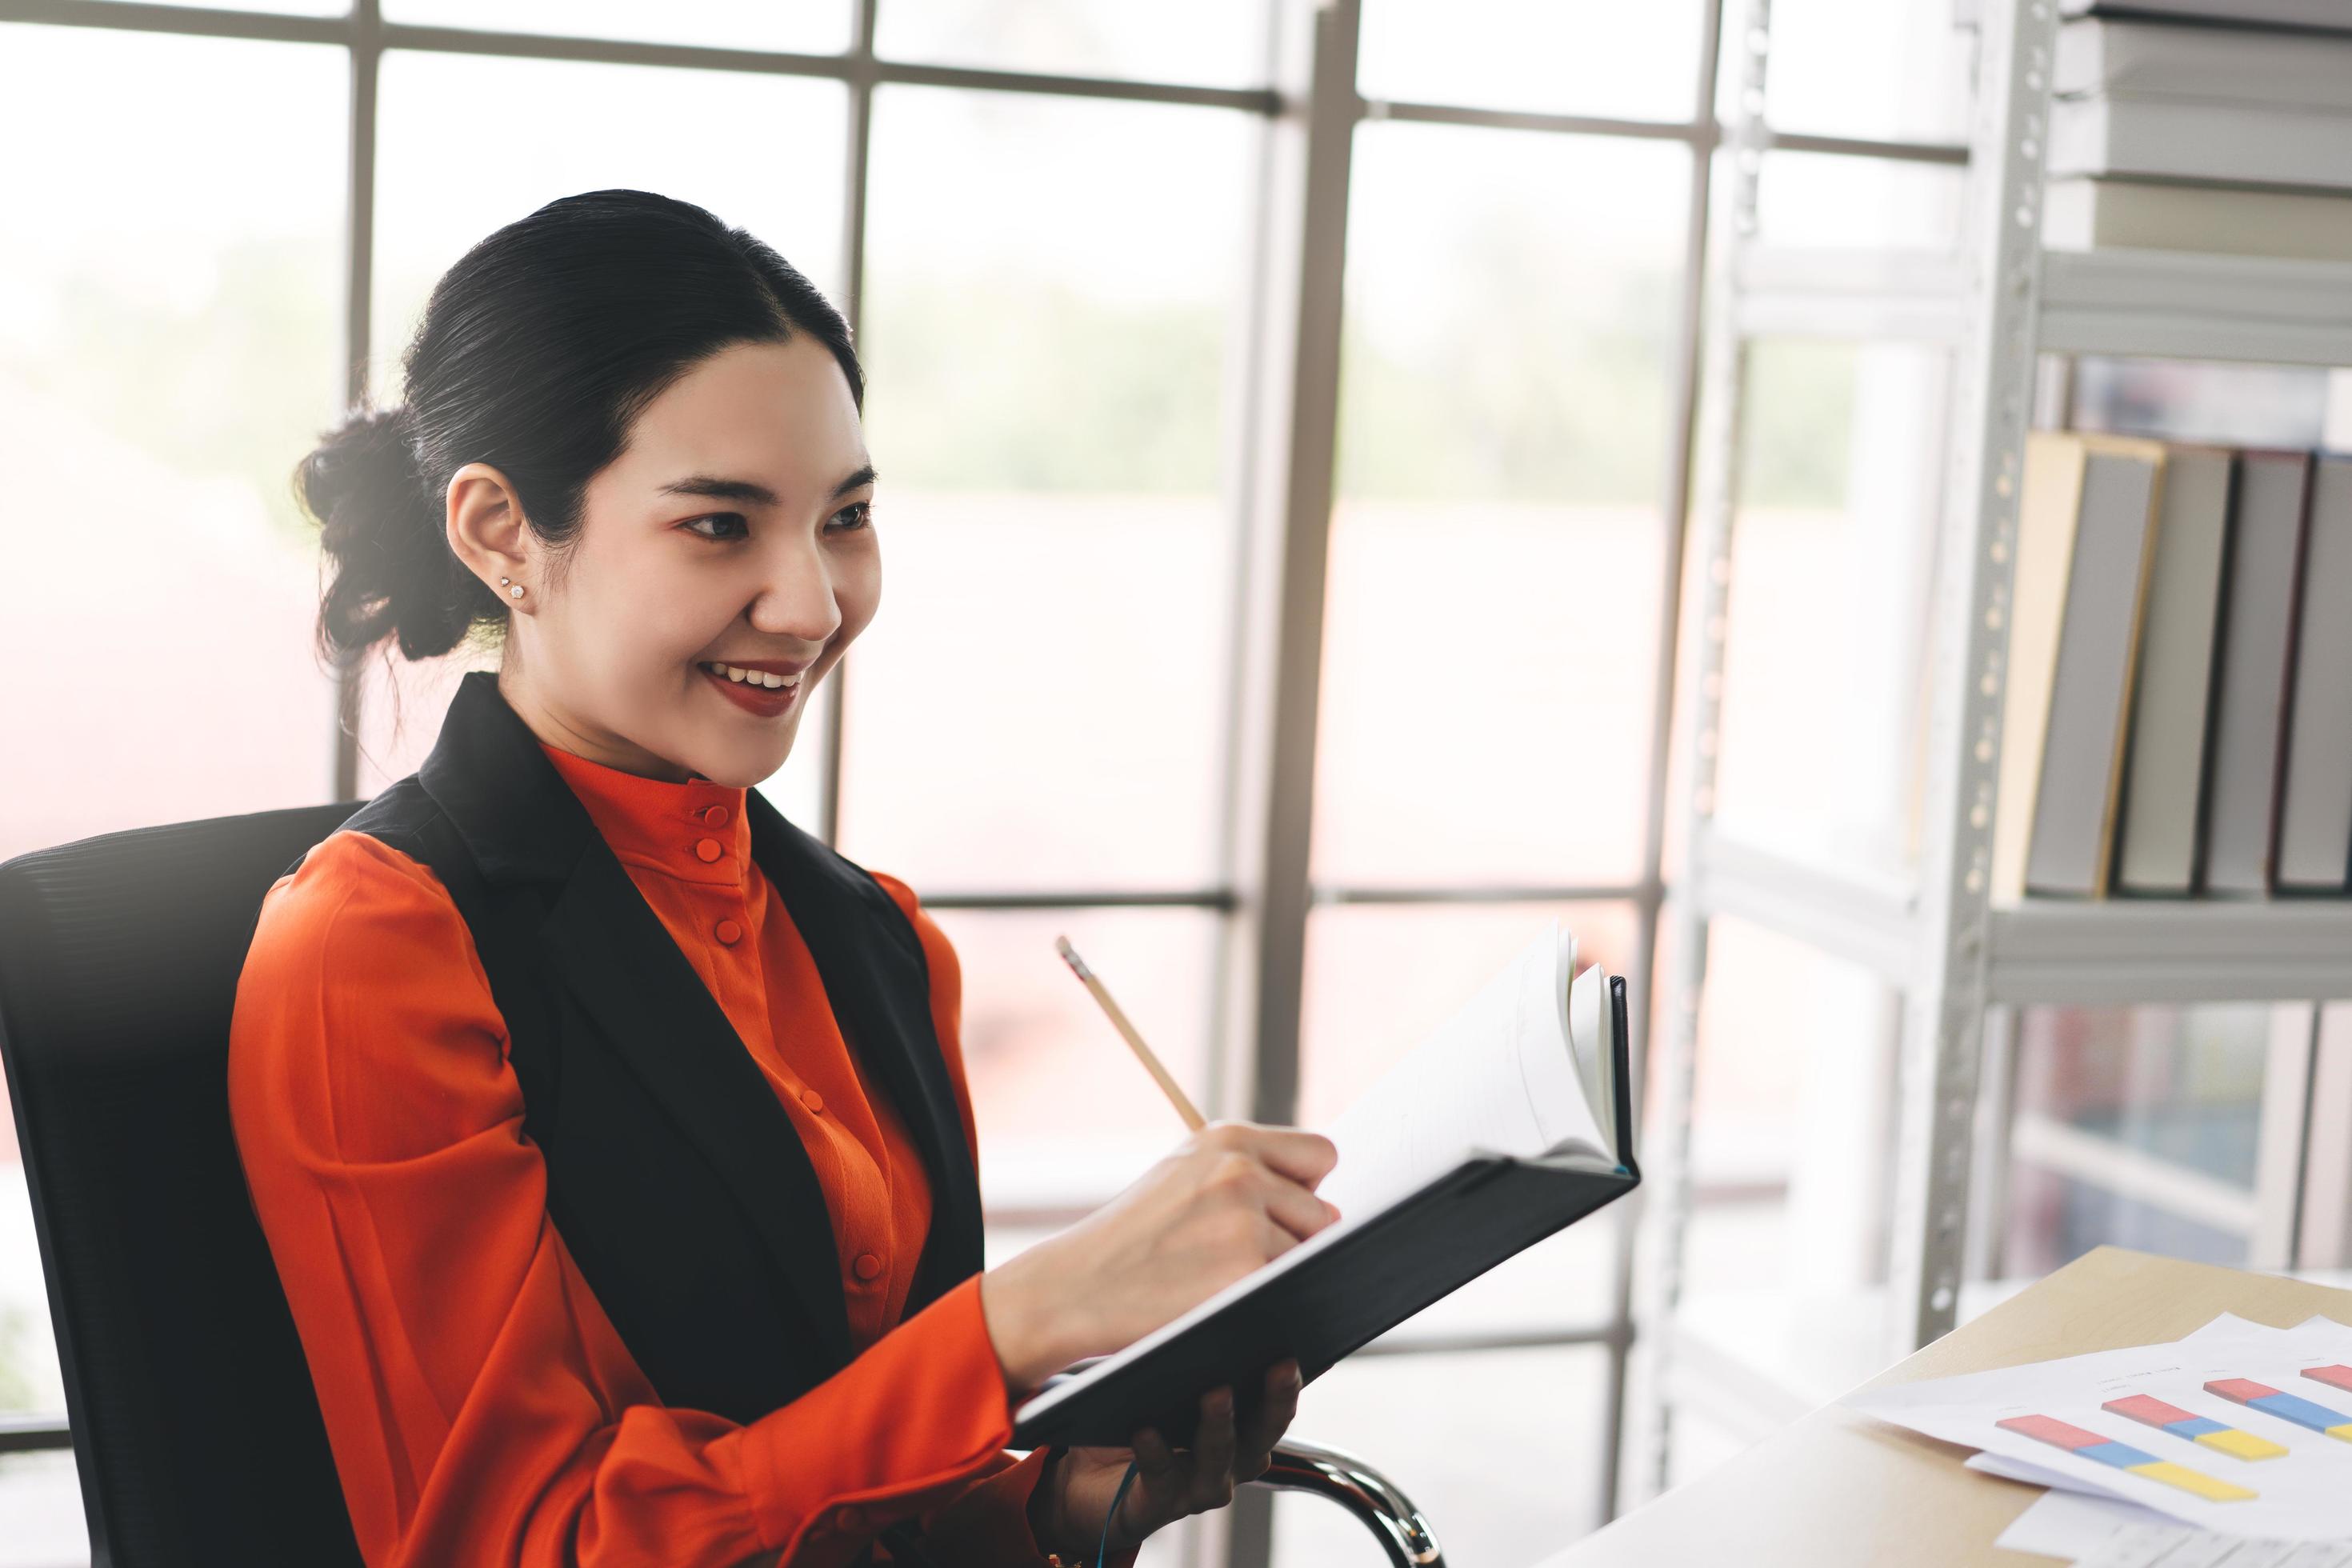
[2189,139]
[1509,1123]
[2314,835]
[2083,526]
[2143,57]
[2177,717]
[2098,213]
[2172,688]
[2168,135]
[2317,16]
[2255,667]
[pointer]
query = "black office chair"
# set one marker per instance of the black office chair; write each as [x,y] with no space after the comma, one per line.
[196,1426]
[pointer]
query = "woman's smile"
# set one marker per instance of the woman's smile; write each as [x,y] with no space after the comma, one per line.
[750,689]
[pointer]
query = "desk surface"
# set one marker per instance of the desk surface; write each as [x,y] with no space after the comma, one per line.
[1838,1488]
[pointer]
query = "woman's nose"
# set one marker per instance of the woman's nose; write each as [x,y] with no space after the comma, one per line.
[796,595]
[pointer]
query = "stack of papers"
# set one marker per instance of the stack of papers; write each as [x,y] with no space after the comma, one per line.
[2239,1434]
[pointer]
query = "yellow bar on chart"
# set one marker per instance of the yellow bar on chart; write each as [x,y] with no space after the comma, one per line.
[2196,1481]
[2240,1445]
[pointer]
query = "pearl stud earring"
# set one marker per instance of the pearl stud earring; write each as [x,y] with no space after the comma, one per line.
[516,591]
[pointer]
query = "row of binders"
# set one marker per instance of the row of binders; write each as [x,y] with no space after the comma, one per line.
[2177,716]
[2203,125]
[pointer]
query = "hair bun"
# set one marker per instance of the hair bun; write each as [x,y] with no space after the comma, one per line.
[394,574]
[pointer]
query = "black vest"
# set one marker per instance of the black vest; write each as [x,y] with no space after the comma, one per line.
[677,1181]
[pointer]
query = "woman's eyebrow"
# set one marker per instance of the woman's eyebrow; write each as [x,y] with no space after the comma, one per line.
[751,490]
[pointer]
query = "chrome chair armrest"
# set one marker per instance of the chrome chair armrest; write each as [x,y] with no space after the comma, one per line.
[1333,1473]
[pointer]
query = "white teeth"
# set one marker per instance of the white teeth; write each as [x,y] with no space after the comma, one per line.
[757,678]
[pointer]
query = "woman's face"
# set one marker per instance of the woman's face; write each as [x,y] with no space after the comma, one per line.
[733,529]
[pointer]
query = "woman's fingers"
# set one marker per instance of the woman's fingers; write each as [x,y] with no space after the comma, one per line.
[1255,1443]
[1153,1458]
[1213,1450]
[1303,1156]
[1296,1209]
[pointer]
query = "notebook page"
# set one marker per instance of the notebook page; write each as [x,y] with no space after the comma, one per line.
[1496,1075]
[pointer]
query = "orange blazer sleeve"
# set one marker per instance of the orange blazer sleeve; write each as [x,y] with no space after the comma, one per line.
[480,1406]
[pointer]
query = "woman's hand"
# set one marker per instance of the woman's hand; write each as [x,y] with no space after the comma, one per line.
[1231,1197]
[1067,1511]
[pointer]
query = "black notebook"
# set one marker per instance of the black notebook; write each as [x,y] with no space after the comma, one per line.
[1511,1122]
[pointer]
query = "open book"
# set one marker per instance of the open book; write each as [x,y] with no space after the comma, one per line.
[1510,1121]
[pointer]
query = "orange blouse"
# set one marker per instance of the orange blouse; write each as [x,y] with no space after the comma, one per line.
[480,1406]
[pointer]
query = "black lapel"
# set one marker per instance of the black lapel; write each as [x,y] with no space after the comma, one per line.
[521,822]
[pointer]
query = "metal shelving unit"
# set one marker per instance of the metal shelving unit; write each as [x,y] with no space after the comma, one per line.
[1997,303]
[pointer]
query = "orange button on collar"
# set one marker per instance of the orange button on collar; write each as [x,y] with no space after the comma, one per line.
[707,849]
[730,932]
[714,815]
[868,1266]
[813,1100]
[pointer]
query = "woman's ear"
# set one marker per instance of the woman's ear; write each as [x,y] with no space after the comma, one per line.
[485,527]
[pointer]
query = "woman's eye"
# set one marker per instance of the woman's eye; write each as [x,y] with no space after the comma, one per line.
[860,516]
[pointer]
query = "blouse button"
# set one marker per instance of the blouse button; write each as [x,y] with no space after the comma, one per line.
[730,932]
[707,849]
[714,815]
[813,1100]
[868,1266]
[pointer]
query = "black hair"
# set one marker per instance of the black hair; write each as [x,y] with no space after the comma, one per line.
[538,349]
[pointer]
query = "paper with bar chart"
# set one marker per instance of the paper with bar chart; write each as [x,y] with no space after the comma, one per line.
[2239,1427]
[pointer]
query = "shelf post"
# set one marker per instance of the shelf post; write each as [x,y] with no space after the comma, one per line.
[1943,1011]
[1665,1213]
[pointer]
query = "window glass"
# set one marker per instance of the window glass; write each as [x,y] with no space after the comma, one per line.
[1211,43]
[1067,1115]
[1045,697]
[805,27]
[40,1497]
[1562,57]
[531,130]
[1489,644]
[168,351]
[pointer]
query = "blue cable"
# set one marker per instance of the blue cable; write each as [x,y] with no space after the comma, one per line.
[1102,1553]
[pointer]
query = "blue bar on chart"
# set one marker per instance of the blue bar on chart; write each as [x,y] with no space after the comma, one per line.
[2150,1411]
[2292,1407]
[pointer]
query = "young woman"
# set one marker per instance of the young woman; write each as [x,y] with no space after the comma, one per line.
[612,1134]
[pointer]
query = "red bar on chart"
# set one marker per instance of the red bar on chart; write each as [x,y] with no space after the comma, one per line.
[2051,1430]
[2148,1410]
[2334,1376]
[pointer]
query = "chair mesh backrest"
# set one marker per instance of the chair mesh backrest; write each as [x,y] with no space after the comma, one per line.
[196,1427]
